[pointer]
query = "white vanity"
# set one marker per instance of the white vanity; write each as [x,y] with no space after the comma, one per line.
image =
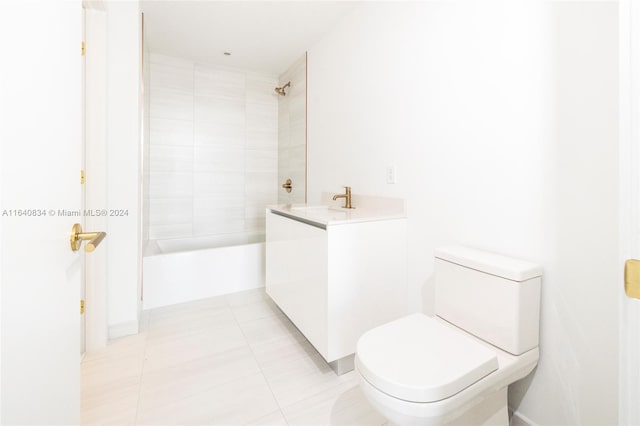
[337,273]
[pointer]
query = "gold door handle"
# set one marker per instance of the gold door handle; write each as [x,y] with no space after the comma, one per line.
[287,185]
[77,236]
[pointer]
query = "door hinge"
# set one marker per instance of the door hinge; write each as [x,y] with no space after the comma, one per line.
[83,48]
[82,177]
[81,307]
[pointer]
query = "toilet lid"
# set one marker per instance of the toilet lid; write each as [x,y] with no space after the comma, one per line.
[419,359]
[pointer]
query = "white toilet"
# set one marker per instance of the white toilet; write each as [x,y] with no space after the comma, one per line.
[455,368]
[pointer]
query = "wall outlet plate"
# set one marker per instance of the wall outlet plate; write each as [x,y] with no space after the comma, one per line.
[391,174]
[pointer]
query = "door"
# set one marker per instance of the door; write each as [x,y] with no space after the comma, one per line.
[40,132]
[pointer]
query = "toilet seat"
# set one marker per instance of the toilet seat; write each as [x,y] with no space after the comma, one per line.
[420,359]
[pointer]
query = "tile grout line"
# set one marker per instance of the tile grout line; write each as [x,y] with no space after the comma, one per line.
[258,364]
[169,366]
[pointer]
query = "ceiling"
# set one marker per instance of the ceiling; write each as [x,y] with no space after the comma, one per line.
[262,36]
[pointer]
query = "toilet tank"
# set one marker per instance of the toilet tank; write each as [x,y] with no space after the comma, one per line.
[493,297]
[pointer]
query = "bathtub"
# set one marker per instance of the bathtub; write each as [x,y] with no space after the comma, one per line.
[181,270]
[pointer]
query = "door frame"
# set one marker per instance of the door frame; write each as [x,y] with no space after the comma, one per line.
[629,207]
[95,187]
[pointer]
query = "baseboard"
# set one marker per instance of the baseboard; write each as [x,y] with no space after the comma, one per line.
[518,419]
[123,329]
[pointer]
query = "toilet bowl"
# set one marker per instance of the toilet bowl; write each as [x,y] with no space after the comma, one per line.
[455,368]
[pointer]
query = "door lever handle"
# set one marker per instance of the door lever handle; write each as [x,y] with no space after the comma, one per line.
[77,236]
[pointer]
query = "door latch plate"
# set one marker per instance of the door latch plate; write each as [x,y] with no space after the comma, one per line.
[632,278]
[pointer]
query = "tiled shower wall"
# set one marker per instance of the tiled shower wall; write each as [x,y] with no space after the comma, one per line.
[292,136]
[213,160]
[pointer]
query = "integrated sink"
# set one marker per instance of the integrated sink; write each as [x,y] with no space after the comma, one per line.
[323,215]
[319,209]
[320,215]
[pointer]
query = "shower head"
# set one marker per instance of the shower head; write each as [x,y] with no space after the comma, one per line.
[280,90]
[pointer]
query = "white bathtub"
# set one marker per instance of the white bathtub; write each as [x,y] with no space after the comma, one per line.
[181,270]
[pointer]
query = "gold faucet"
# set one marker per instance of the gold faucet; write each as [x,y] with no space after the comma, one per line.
[346,196]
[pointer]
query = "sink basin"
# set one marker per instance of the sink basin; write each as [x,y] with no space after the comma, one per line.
[319,209]
[324,215]
[319,214]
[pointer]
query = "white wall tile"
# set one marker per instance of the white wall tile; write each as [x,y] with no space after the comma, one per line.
[261,160]
[170,185]
[219,134]
[165,131]
[179,230]
[219,111]
[261,187]
[158,59]
[218,183]
[213,156]
[168,103]
[262,139]
[170,211]
[218,215]
[219,83]
[168,158]
[165,76]
[218,158]
[261,89]
[262,116]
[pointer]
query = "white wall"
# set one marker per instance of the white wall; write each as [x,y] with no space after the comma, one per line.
[501,121]
[123,165]
[213,149]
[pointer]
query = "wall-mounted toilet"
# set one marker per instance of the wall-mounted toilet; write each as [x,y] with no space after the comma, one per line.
[455,368]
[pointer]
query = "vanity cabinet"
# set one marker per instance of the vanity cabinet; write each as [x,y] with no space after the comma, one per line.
[336,279]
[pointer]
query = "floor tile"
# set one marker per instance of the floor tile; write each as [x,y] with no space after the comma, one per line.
[303,377]
[256,310]
[228,360]
[248,296]
[270,330]
[238,402]
[343,404]
[187,347]
[125,347]
[98,373]
[179,381]
[184,325]
[282,351]
[272,419]
[115,403]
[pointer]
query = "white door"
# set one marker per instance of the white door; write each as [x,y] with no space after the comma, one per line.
[40,129]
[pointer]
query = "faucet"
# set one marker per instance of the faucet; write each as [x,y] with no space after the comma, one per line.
[346,196]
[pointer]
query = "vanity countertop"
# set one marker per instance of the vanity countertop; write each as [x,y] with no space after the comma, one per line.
[331,215]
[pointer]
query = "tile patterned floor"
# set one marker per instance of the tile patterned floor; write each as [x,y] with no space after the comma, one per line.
[228,360]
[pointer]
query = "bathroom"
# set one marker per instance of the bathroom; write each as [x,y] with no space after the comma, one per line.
[501,121]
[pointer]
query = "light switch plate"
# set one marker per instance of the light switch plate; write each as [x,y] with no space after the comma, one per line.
[632,278]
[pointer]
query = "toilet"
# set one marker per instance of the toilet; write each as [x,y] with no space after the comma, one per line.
[455,368]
